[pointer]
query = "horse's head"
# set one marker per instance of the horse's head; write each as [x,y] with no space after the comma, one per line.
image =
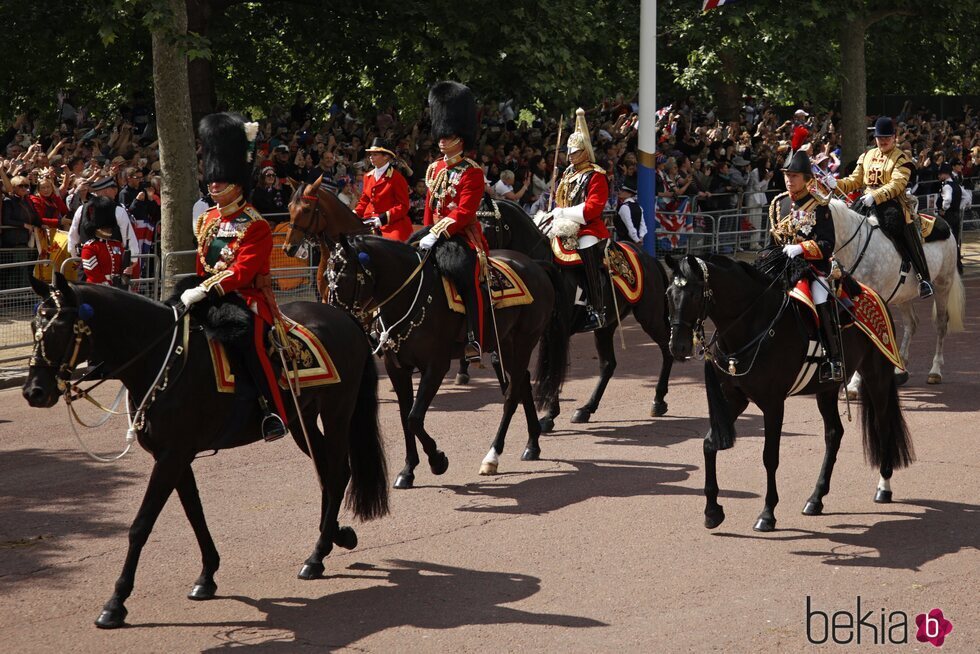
[350,275]
[306,217]
[687,301]
[62,338]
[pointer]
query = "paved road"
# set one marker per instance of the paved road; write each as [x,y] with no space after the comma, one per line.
[598,547]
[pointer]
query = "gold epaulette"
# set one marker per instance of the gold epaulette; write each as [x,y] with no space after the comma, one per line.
[252,213]
[200,222]
[430,171]
[774,209]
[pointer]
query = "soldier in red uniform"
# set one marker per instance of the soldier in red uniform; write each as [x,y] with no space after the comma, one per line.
[455,188]
[384,201]
[102,256]
[580,199]
[234,244]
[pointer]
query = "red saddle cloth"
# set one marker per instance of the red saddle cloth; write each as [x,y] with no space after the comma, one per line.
[622,261]
[870,313]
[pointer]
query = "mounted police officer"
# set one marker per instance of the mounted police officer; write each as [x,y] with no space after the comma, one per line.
[455,186]
[884,172]
[580,199]
[234,245]
[801,223]
[950,199]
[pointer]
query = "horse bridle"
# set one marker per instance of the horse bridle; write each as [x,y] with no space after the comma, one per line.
[39,357]
[707,296]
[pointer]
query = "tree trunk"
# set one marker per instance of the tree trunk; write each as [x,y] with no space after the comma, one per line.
[178,158]
[200,71]
[854,93]
[728,89]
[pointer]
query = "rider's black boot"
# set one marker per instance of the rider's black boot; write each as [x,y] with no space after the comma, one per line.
[913,246]
[831,370]
[592,263]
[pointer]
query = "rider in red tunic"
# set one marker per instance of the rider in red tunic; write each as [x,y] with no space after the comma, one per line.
[455,189]
[384,202]
[233,251]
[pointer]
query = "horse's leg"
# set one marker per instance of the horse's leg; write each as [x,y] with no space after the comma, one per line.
[854,386]
[510,388]
[332,454]
[659,407]
[163,479]
[428,387]
[942,326]
[463,376]
[401,379]
[833,431]
[204,588]
[910,324]
[532,451]
[773,419]
[714,514]
[607,366]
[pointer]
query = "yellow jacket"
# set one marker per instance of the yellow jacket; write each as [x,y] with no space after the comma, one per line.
[885,175]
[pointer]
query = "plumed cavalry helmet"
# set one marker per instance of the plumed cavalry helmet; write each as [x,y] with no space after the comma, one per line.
[800,163]
[453,111]
[580,139]
[225,144]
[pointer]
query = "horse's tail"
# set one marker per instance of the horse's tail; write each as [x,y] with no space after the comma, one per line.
[721,435]
[368,496]
[955,304]
[885,434]
[553,349]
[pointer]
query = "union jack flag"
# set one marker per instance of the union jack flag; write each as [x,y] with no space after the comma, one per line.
[713,4]
[674,216]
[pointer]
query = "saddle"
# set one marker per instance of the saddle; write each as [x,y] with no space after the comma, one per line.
[507,289]
[622,260]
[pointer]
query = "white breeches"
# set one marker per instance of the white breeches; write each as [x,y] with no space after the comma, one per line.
[589,240]
[818,289]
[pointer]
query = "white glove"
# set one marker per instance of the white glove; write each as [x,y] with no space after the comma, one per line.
[193,296]
[428,241]
[792,250]
[374,222]
[868,199]
[830,181]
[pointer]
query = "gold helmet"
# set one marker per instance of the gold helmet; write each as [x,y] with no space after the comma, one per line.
[580,138]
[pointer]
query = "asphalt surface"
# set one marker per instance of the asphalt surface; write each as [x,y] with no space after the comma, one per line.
[597,547]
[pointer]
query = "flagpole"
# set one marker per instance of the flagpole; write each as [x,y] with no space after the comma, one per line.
[646,168]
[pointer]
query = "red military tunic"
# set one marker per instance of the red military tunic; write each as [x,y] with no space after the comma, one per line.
[455,191]
[101,259]
[589,185]
[234,244]
[387,195]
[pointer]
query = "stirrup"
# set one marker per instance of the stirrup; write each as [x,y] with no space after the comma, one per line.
[925,289]
[831,370]
[593,321]
[273,428]
[472,352]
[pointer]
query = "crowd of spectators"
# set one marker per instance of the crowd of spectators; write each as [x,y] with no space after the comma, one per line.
[701,160]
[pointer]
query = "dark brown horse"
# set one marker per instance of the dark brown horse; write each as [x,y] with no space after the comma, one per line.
[132,337]
[397,293]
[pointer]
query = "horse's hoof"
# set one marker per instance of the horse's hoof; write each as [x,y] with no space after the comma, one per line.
[851,395]
[813,508]
[581,415]
[311,571]
[404,481]
[934,378]
[713,517]
[902,377]
[438,463]
[765,524]
[659,409]
[531,454]
[112,618]
[345,537]
[488,468]
[462,379]
[203,591]
[883,497]
[547,425]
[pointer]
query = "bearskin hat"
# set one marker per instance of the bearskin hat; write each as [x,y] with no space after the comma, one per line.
[225,149]
[453,111]
[99,213]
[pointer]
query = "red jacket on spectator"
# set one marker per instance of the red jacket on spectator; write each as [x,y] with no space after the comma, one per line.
[51,209]
[389,196]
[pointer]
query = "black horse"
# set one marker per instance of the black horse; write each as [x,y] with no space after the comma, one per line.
[131,336]
[509,227]
[756,355]
[396,291]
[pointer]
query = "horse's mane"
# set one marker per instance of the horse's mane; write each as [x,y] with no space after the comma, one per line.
[83,291]
[732,265]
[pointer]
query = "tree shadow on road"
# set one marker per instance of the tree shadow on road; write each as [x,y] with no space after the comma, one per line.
[47,499]
[547,492]
[906,544]
[416,594]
